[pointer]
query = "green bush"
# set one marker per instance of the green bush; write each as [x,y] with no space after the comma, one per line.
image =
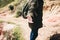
[18,13]
[11,7]
[18,34]
[1,21]
[4,2]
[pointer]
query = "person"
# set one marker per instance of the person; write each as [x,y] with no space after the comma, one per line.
[33,12]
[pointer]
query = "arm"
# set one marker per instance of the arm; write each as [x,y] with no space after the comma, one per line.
[25,11]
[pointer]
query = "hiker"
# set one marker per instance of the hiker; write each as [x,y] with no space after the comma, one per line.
[33,12]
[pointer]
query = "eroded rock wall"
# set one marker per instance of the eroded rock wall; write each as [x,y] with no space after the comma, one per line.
[51,20]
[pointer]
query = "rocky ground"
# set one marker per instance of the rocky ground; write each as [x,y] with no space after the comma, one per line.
[51,22]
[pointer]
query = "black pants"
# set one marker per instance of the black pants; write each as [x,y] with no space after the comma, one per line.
[34,30]
[34,34]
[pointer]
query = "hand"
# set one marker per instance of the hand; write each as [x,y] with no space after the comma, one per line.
[29,19]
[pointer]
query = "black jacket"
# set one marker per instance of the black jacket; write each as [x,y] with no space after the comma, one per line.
[36,8]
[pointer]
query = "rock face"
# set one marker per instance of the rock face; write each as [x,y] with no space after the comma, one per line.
[51,20]
[51,14]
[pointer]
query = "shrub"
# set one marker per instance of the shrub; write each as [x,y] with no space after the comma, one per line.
[18,14]
[18,34]
[11,7]
[4,2]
